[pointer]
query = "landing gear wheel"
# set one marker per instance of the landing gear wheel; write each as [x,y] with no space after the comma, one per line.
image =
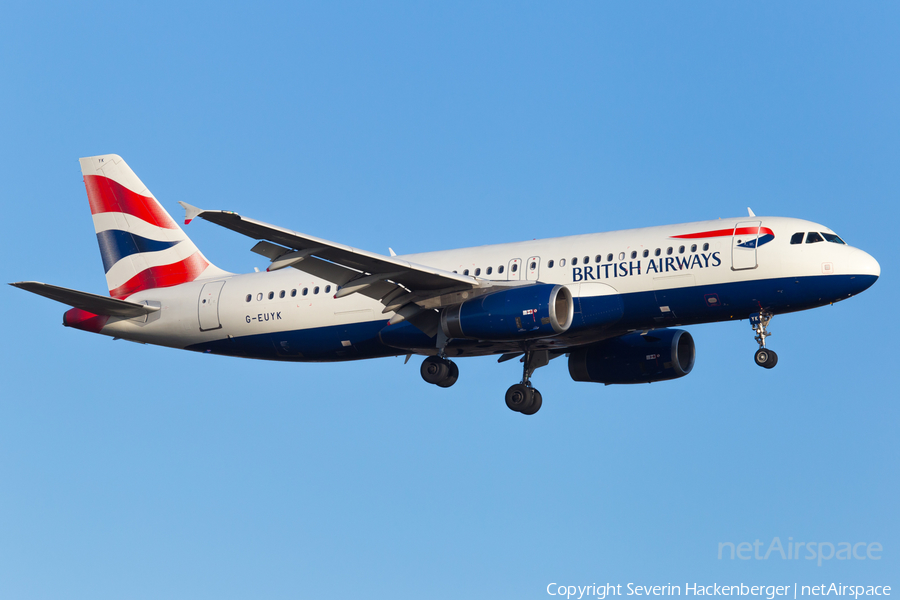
[435,370]
[519,397]
[760,323]
[452,376]
[766,358]
[536,402]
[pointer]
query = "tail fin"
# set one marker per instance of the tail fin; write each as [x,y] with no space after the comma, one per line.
[141,245]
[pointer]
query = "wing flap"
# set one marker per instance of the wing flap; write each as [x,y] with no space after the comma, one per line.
[92,303]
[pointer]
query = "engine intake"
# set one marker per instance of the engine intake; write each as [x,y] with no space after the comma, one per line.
[520,313]
[659,355]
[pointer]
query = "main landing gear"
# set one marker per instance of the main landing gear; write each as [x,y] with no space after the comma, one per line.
[764,357]
[441,372]
[521,397]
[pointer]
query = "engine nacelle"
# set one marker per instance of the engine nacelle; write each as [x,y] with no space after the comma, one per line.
[659,355]
[519,313]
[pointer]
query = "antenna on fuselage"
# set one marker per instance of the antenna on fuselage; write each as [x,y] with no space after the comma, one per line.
[750,212]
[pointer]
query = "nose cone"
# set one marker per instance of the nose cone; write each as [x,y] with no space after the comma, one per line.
[864,269]
[866,264]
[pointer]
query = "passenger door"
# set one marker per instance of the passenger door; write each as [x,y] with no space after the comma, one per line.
[208,305]
[743,245]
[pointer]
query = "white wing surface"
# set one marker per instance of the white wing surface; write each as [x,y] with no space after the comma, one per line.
[411,290]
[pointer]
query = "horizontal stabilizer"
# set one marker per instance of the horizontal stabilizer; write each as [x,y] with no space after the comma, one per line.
[93,303]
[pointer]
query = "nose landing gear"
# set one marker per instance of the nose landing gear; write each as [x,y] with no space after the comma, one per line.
[521,397]
[764,357]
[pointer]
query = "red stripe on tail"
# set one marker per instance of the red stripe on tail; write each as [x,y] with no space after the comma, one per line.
[162,276]
[105,195]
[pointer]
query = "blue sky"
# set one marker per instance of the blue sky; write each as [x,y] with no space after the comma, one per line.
[130,471]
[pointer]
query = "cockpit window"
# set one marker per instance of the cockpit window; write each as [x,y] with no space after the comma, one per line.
[812,237]
[797,238]
[834,239]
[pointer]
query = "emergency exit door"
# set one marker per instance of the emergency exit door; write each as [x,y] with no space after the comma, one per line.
[533,268]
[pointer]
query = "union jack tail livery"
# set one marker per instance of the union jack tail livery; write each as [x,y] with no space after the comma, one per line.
[142,247]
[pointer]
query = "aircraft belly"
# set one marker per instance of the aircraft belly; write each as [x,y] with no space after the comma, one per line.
[348,341]
[314,332]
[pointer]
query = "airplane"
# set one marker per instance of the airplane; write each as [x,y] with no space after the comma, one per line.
[609,302]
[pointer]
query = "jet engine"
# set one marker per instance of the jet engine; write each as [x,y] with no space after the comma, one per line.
[658,355]
[519,313]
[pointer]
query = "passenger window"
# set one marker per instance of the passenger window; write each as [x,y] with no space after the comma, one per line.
[705,247]
[657,252]
[634,254]
[500,269]
[293,293]
[646,253]
[680,249]
[477,271]
[598,258]
[587,259]
[327,289]
[271,295]
[316,290]
[621,256]
[609,257]
[305,291]
[281,294]
[466,272]
[515,267]
[830,237]
[259,297]
[249,297]
[812,237]
[574,260]
[797,238]
[533,265]
[549,264]
[669,250]
[489,269]
[693,247]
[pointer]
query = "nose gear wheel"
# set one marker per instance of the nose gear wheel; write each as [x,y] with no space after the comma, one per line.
[763,357]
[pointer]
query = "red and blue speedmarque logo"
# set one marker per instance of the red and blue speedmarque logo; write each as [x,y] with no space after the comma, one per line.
[756,236]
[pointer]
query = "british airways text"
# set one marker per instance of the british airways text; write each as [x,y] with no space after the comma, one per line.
[653,265]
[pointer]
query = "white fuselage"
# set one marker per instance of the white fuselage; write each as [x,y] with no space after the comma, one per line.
[649,264]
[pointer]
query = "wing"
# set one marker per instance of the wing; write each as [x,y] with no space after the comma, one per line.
[412,291]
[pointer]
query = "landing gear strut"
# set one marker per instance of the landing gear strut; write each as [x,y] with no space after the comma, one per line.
[764,357]
[521,397]
[439,371]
